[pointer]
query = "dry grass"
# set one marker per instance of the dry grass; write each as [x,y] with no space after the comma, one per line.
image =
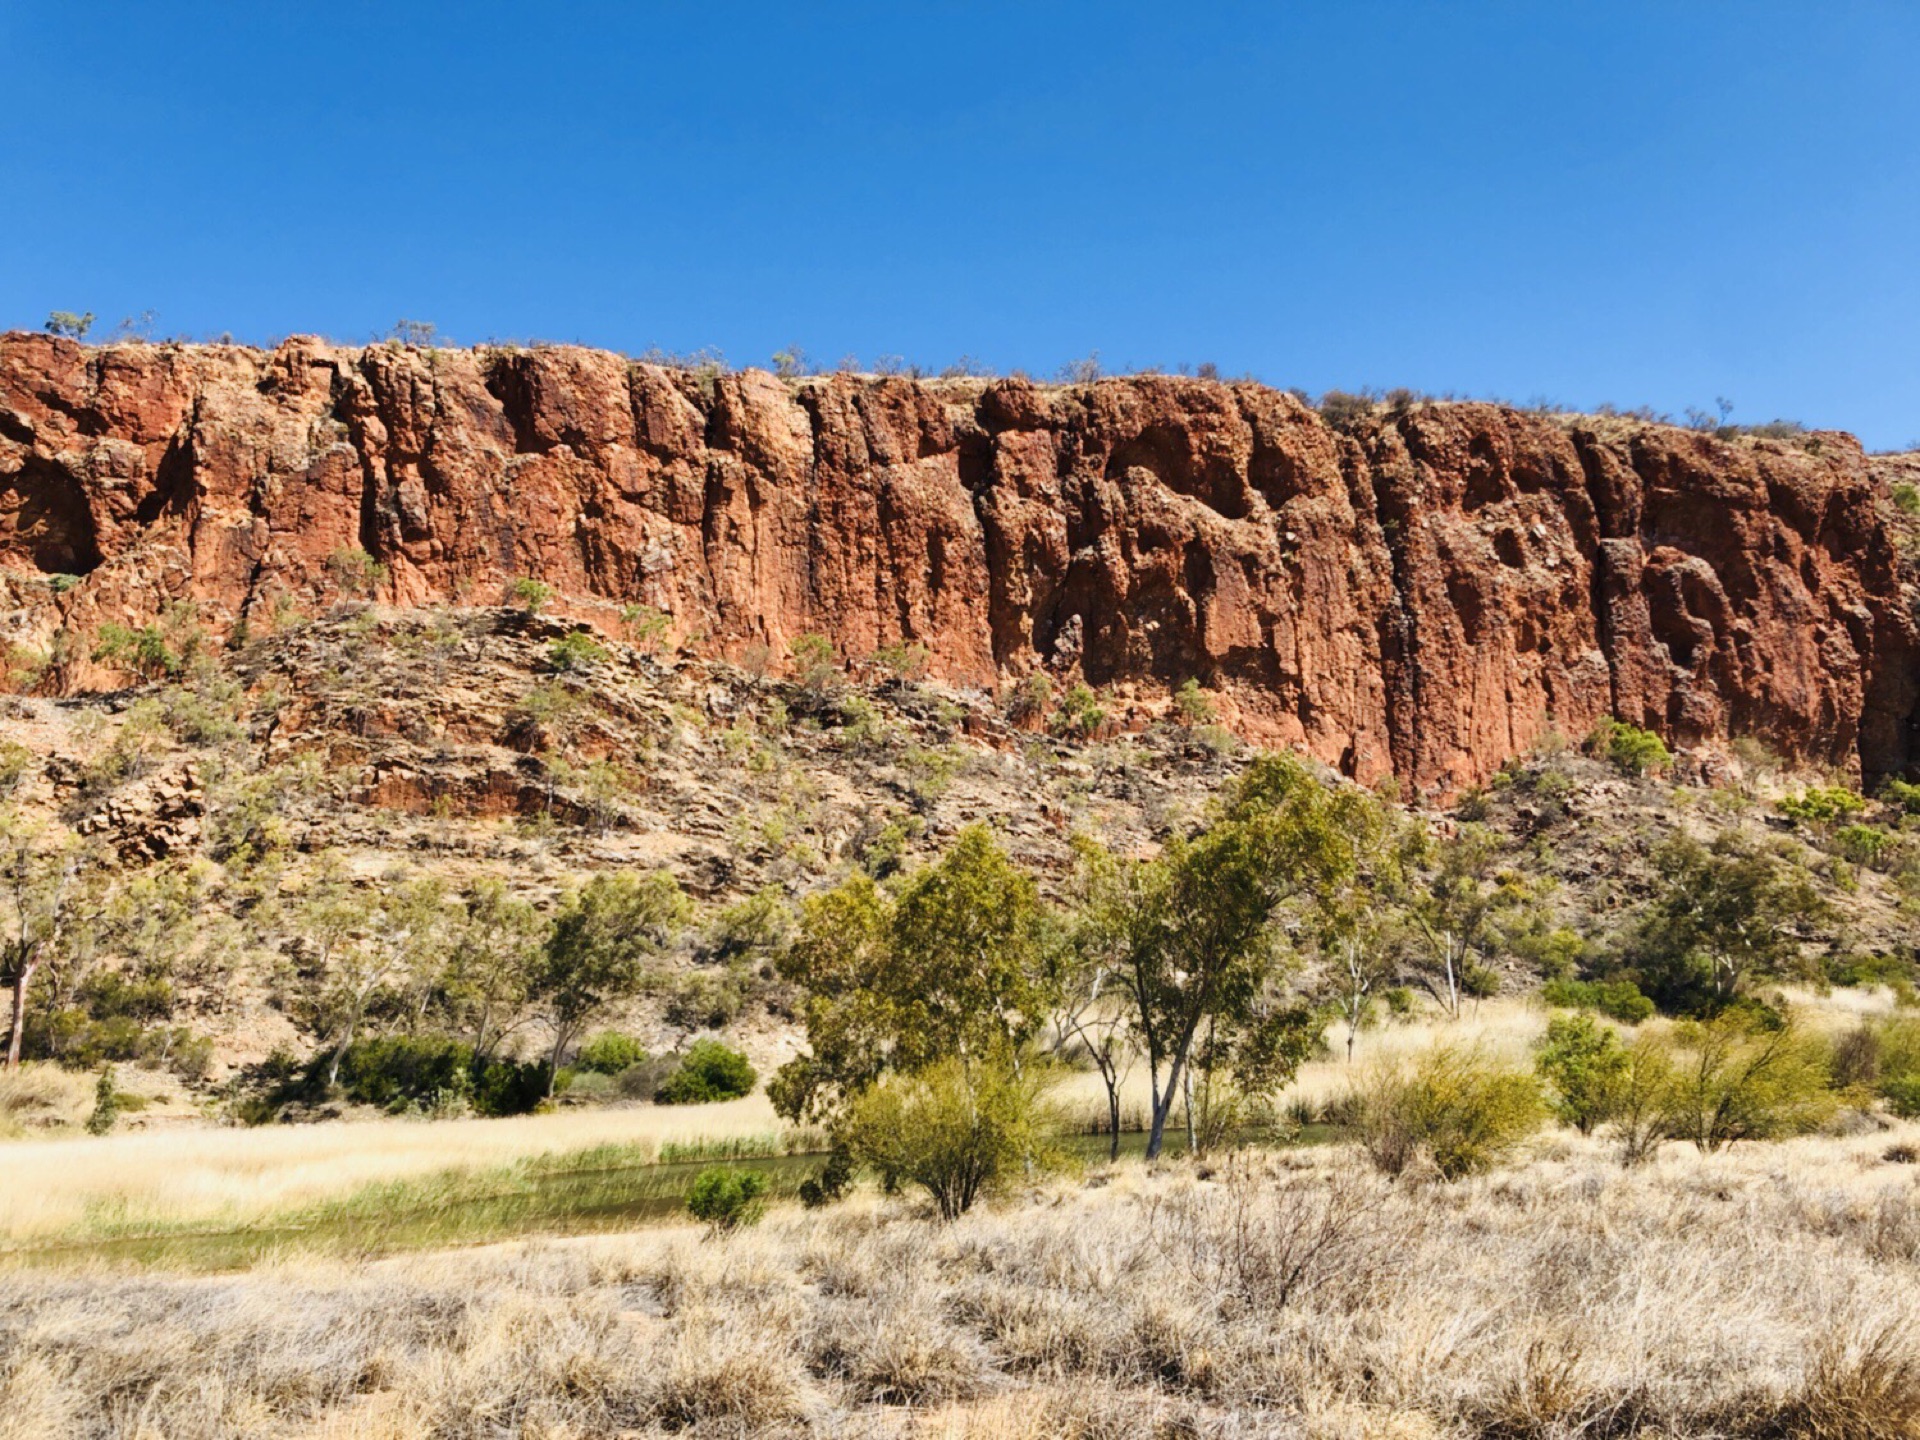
[1770,1292]
[234,1176]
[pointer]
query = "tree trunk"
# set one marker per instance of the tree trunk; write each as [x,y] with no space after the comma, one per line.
[20,984]
[1113,1117]
[1162,1108]
[1186,1087]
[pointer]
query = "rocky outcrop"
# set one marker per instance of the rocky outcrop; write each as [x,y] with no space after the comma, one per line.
[1423,594]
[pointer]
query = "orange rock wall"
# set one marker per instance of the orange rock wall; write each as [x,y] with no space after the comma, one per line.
[1424,596]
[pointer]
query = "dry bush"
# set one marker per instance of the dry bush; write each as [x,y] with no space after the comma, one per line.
[1763,1292]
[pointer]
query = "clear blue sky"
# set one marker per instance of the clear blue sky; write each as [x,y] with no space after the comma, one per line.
[1640,203]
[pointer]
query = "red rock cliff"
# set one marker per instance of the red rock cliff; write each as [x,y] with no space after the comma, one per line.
[1425,595]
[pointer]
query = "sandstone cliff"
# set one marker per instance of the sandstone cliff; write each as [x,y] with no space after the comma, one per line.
[1424,594]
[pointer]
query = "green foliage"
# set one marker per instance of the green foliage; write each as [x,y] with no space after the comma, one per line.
[903,660]
[106,1104]
[144,651]
[1080,713]
[728,1199]
[832,1182]
[1863,844]
[1630,750]
[1735,1079]
[958,1129]
[355,571]
[1906,498]
[597,949]
[1455,1105]
[435,1073]
[1897,1065]
[1822,805]
[812,656]
[529,594]
[610,1052]
[761,924]
[710,1072]
[1193,705]
[1033,698]
[1725,913]
[1619,999]
[954,965]
[576,650]
[1902,794]
[1586,1066]
[68,324]
[645,626]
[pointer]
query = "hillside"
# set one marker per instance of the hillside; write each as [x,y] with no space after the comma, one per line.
[374,748]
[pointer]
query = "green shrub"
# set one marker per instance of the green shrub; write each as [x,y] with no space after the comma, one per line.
[1822,805]
[1902,794]
[1618,999]
[1585,1065]
[709,1072]
[727,1199]
[1902,1096]
[106,1104]
[529,594]
[609,1052]
[1906,498]
[1630,750]
[1897,1065]
[958,1131]
[576,650]
[833,1181]
[904,661]
[426,1072]
[1193,704]
[1455,1105]
[1739,1078]
[1863,844]
[355,571]
[1080,712]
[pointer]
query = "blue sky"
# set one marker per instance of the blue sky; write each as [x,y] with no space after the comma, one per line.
[1637,203]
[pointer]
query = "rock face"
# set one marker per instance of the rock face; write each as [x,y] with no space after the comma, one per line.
[1423,594]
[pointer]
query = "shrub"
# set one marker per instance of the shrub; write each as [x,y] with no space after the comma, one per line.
[1822,805]
[1585,1065]
[1738,1078]
[711,1071]
[1455,1105]
[833,1181]
[1902,794]
[1902,1096]
[575,650]
[1906,498]
[529,594]
[106,1105]
[726,1198]
[958,1131]
[68,324]
[609,1052]
[1630,750]
[355,571]
[398,1072]
[1193,704]
[1897,1057]
[1863,844]
[144,651]
[1080,712]
[813,658]
[904,661]
[1618,999]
